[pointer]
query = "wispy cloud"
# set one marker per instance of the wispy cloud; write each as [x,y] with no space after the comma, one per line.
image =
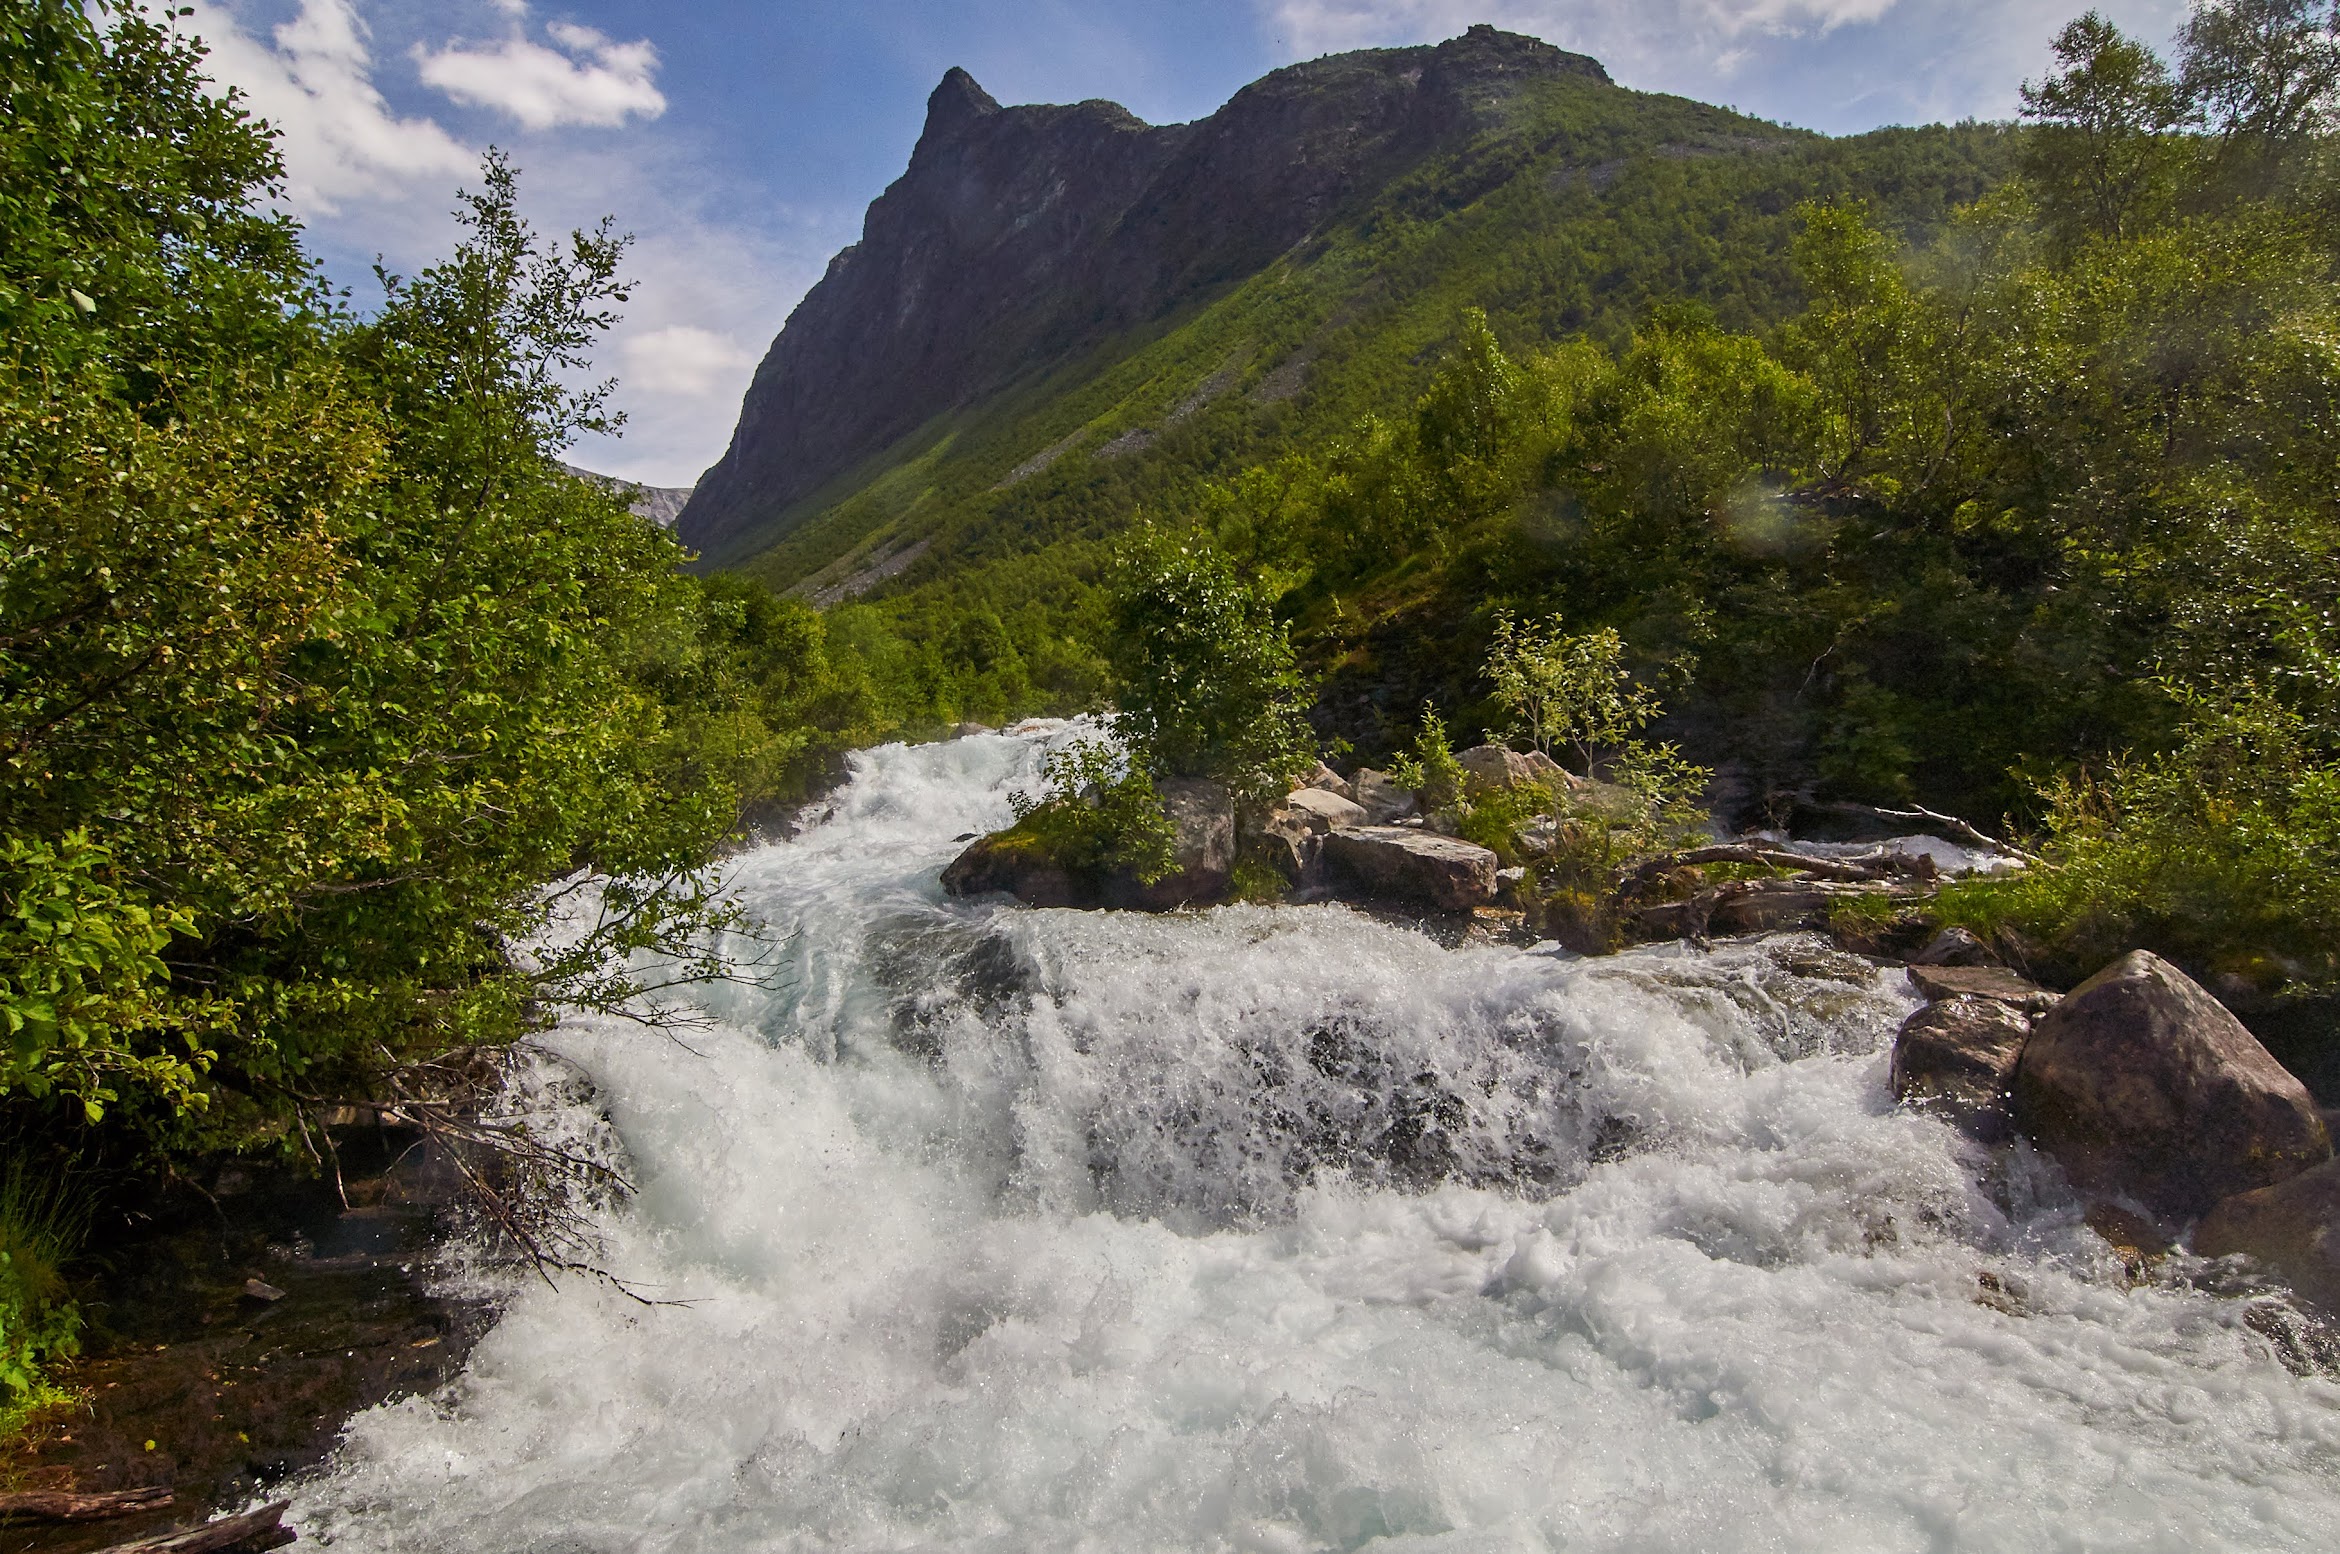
[313,80]
[586,78]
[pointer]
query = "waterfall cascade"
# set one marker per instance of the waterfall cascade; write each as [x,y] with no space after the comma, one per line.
[1284,1229]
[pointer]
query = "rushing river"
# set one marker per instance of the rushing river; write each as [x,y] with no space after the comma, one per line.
[1287,1229]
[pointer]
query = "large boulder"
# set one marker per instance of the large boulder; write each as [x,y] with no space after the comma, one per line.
[1380,797]
[1202,815]
[2293,1227]
[1325,810]
[2140,1083]
[1956,1058]
[1415,868]
[1013,861]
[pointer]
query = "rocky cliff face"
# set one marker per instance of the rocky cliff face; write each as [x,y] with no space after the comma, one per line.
[1018,236]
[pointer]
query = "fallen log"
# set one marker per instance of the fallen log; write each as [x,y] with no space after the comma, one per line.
[65,1505]
[1860,868]
[1919,814]
[254,1530]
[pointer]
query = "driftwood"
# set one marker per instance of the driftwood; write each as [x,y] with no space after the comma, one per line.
[261,1529]
[63,1505]
[1859,868]
[1950,823]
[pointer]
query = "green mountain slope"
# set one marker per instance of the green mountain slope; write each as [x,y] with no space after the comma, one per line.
[1584,208]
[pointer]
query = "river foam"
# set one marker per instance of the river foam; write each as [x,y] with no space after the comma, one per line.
[1288,1230]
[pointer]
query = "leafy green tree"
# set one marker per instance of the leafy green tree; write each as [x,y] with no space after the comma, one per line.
[1208,683]
[315,667]
[2263,78]
[2101,158]
[1562,689]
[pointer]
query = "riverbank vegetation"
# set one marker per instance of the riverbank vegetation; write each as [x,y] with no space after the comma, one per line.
[322,686]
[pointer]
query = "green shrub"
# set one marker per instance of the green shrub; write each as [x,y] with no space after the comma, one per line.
[1207,679]
[1429,770]
[1098,815]
[2223,854]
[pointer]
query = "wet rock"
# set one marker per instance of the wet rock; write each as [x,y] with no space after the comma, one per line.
[1993,982]
[1013,862]
[1768,906]
[1956,1058]
[1325,810]
[1513,888]
[2140,1083]
[1381,798]
[1954,947]
[1417,868]
[969,730]
[2293,1227]
[1329,780]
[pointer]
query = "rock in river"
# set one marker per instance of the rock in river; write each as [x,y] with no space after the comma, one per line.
[1955,1057]
[1417,868]
[2139,1082]
[2293,1227]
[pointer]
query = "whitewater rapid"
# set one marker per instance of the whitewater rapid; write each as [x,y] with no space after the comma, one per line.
[1285,1229]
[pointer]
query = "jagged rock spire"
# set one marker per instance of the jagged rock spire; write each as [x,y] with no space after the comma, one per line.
[954,105]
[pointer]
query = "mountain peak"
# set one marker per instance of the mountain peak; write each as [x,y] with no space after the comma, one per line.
[955,104]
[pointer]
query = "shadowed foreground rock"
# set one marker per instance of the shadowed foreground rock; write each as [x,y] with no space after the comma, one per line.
[1414,868]
[1955,1058]
[2140,1083]
[2293,1227]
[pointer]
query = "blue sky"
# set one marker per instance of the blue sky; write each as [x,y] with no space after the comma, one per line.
[740,140]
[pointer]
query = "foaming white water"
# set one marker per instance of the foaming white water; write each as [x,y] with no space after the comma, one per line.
[1287,1230]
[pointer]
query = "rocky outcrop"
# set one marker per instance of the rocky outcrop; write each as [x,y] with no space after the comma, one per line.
[1288,842]
[2293,1227]
[1012,862]
[1956,1058]
[1409,867]
[1202,813]
[2140,1083]
[1019,237]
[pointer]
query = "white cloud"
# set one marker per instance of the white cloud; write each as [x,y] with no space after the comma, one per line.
[682,360]
[314,81]
[588,79]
